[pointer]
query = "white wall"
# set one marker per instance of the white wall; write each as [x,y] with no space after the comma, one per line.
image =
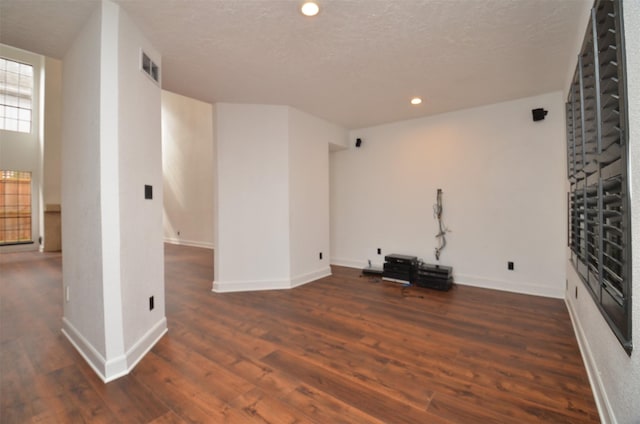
[52,131]
[82,235]
[309,139]
[272,196]
[252,244]
[22,151]
[499,173]
[114,361]
[112,236]
[140,164]
[188,169]
[615,376]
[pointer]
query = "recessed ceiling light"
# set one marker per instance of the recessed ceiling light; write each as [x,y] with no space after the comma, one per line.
[310,8]
[416,101]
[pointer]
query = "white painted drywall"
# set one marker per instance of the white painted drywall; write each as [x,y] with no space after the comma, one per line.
[499,173]
[139,163]
[187,166]
[252,242]
[22,151]
[81,221]
[52,131]
[309,140]
[272,194]
[110,196]
[112,237]
[615,375]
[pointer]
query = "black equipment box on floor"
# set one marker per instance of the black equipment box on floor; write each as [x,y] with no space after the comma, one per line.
[403,268]
[437,277]
[399,267]
[401,259]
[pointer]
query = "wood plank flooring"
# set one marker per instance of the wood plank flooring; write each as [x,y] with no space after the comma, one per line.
[344,349]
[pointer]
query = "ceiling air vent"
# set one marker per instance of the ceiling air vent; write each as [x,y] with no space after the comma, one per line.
[149,67]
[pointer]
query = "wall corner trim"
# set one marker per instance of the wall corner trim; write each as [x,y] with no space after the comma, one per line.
[145,344]
[94,358]
[250,285]
[257,285]
[349,263]
[600,395]
[120,366]
[299,280]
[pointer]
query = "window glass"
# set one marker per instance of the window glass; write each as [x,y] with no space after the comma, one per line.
[15,207]
[16,96]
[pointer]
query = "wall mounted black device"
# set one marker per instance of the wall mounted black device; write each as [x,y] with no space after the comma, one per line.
[539,114]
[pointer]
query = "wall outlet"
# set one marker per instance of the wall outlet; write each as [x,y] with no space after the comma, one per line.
[510,266]
[148,191]
[178,232]
[576,292]
[320,255]
[379,251]
[151,305]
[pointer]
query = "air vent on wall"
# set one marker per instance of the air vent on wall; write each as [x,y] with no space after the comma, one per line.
[149,67]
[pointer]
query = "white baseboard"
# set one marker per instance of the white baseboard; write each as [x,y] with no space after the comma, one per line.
[349,263]
[510,286]
[109,370]
[256,285]
[145,344]
[94,358]
[475,281]
[299,280]
[192,243]
[605,410]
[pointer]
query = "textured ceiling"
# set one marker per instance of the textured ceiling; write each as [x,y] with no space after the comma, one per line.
[356,64]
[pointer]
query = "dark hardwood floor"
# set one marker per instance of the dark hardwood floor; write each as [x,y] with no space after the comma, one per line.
[344,349]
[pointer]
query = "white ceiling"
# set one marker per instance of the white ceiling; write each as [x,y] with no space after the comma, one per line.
[356,64]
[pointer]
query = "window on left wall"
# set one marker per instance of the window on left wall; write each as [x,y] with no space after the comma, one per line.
[16,96]
[15,207]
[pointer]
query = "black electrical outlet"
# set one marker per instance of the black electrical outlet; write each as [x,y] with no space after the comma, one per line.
[510,266]
[576,292]
[151,303]
[320,255]
[379,251]
[148,191]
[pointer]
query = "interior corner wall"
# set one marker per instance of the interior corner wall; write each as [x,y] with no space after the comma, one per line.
[139,164]
[52,132]
[499,173]
[214,170]
[22,151]
[188,170]
[614,375]
[252,229]
[309,139]
[83,315]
